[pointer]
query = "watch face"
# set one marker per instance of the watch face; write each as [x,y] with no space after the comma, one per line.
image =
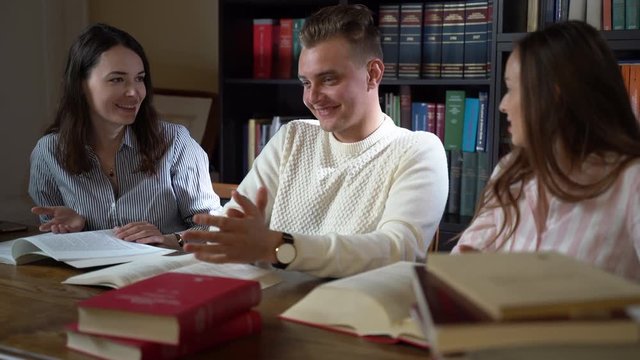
[286,253]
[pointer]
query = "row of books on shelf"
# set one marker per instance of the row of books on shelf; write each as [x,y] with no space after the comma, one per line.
[257,132]
[167,316]
[436,39]
[276,47]
[460,122]
[601,14]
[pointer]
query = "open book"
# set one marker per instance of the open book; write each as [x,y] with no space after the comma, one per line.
[129,273]
[375,304]
[540,293]
[80,250]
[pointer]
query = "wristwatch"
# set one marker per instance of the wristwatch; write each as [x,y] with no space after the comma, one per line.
[285,253]
[179,239]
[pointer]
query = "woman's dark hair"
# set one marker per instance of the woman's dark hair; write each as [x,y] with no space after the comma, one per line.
[72,120]
[575,110]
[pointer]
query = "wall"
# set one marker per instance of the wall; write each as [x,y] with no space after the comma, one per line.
[182,46]
[34,38]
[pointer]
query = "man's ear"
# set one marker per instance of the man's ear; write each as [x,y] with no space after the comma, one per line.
[375,69]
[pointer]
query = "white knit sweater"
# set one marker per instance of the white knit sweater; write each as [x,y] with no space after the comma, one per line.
[351,207]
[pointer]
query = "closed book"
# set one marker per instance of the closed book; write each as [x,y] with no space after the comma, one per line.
[617,14]
[475,39]
[562,10]
[483,172]
[454,119]
[410,48]
[483,121]
[405,106]
[632,14]
[593,16]
[285,49]
[431,118]
[432,40]
[455,174]
[297,45]
[419,116]
[167,308]
[440,120]
[533,14]
[489,35]
[468,183]
[263,48]
[453,40]
[453,324]
[470,124]
[119,348]
[607,16]
[578,10]
[389,23]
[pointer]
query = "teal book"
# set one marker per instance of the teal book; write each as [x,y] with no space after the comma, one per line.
[455,172]
[468,183]
[483,173]
[618,14]
[453,120]
[297,45]
[632,14]
[470,124]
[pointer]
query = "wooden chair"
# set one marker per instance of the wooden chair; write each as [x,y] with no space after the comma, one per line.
[224,191]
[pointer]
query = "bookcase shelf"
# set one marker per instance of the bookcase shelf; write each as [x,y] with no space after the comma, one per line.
[242,97]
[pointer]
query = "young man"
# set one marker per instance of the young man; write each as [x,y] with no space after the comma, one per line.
[342,194]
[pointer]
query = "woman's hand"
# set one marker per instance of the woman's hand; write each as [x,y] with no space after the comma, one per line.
[63,219]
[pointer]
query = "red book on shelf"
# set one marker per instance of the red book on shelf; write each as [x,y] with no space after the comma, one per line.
[263,43]
[167,308]
[111,347]
[285,49]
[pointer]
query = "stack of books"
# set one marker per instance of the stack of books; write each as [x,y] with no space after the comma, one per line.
[166,317]
[481,301]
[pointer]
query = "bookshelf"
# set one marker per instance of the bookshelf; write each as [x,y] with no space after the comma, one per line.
[242,97]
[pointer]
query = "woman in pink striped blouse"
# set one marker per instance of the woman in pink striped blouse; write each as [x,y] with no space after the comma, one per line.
[572,180]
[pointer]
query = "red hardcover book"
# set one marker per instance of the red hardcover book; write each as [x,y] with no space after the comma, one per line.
[263,43]
[285,49]
[167,308]
[117,348]
[606,15]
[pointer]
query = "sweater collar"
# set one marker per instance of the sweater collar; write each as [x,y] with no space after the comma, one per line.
[349,149]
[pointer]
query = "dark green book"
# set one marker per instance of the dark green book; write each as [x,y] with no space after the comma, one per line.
[468,183]
[455,172]
[484,172]
[454,119]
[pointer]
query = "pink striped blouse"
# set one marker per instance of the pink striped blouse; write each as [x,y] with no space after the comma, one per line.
[604,231]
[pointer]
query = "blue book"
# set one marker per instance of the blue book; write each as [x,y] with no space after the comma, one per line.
[475,39]
[470,124]
[453,40]
[410,48]
[432,40]
[389,33]
[419,116]
[483,117]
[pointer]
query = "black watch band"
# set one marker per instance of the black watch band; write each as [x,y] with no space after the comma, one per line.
[179,239]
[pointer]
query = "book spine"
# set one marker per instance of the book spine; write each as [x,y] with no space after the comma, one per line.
[578,10]
[483,117]
[454,118]
[297,45]
[453,40]
[606,15]
[455,171]
[285,49]
[632,14]
[431,118]
[432,40]
[405,106]
[468,183]
[634,89]
[489,35]
[440,120]
[593,14]
[470,124]
[410,48]
[419,114]
[389,22]
[532,15]
[483,173]
[262,48]
[617,14]
[475,39]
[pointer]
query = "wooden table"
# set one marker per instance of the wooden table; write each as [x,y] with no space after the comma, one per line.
[35,306]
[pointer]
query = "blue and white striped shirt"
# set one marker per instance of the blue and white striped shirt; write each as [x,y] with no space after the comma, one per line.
[180,188]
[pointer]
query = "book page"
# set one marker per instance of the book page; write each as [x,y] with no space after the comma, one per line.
[85,263]
[80,245]
[125,274]
[5,252]
[376,302]
[239,271]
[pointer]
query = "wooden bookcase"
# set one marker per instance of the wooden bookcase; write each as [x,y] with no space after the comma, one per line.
[241,97]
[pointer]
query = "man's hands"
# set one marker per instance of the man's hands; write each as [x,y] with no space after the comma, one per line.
[63,219]
[243,237]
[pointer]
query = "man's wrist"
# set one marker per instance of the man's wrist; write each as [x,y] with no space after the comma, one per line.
[275,240]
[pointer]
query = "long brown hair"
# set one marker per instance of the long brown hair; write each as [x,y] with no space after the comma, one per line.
[72,120]
[575,107]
